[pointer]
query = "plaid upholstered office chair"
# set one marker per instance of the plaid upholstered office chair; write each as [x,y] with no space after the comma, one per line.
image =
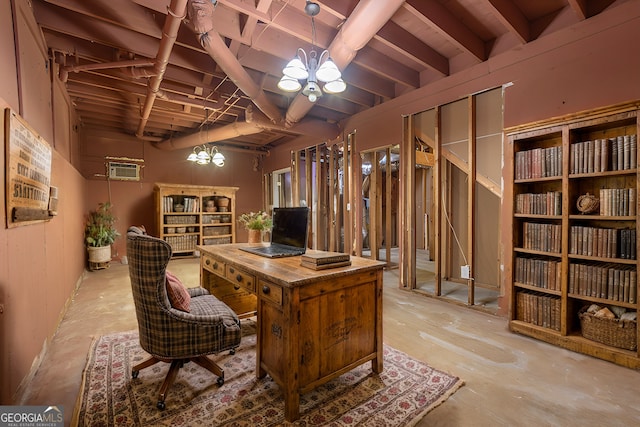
[169,334]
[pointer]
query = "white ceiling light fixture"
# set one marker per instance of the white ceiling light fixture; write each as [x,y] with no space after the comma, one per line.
[203,155]
[312,67]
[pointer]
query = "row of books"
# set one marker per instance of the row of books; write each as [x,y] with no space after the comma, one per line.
[542,273]
[190,204]
[618,201]
[606,154]
[612,282]
[549,203]
[540,310]
[603,242]
[542,237]
[539,163]
[323,260]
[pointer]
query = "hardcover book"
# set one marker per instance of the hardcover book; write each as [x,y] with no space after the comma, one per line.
[314,266]
[324,258]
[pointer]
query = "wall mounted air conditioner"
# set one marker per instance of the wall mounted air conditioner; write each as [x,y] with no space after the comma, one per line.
[124,171]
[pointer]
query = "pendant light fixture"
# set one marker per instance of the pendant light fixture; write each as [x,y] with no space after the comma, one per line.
[203,155]
[312,68]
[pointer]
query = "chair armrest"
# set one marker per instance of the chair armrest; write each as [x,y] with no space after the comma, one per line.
[206,310]
[198,291]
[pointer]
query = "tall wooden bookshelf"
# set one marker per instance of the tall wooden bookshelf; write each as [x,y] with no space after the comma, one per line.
[191,215]
[562,260]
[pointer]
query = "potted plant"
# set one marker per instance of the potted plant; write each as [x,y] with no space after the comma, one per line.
[100,233]
[256,223]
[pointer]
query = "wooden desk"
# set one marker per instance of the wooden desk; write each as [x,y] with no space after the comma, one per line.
[312,325]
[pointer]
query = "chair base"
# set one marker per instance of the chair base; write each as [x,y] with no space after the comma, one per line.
[176,364]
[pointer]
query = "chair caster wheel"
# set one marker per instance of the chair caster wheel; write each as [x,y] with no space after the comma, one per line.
[134,374]
[220,381]
[232,351]
[161,405]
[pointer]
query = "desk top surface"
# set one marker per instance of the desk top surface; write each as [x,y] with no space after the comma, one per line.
[285,270]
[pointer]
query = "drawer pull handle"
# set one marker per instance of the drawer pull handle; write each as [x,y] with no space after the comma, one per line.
[215,265]
[208,261]
[236,287]
[239,278]
[266,290]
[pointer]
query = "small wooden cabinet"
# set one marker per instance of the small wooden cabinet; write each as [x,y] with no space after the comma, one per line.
[563,258]
[191,215]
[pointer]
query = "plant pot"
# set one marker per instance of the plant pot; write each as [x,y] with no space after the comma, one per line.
[99,254]
[255,236]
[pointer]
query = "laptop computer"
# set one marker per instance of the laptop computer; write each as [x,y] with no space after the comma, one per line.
[288,235]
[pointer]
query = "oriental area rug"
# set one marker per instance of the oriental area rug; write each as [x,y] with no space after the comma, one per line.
[401,395]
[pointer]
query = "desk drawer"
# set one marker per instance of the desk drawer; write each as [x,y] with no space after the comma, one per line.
[270,292]
[213,265]
[241,277]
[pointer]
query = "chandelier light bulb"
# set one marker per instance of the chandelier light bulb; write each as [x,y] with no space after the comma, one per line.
[328,71]
[296,69]
[335,86]
[218,159]
[289,84]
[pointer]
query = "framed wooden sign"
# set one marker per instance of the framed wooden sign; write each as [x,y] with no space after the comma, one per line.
[27,172]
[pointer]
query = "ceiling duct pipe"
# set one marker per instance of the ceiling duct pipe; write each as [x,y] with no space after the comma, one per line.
[175,14]
[317,128]
[362,25]
[201,16]
[207,104]
[230,131]
[255,122]
[66,69]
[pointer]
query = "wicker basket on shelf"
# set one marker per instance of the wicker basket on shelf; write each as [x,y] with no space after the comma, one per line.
[613,332]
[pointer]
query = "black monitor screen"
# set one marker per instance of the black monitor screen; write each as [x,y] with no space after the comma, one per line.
[290,226]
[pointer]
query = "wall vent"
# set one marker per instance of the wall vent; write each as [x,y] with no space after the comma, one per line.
[124,171]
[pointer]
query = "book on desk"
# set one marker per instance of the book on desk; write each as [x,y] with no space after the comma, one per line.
[324,260]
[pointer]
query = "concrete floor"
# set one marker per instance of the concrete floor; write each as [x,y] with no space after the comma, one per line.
[510,380]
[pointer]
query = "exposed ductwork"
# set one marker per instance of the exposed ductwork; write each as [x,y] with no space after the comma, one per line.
[201,15]
[66,69]
[255,122]
[369,14]
[362,25]
[175,14]
[230,131]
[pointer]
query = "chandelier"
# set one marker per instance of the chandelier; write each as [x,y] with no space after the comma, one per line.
[203,155]
[312,67]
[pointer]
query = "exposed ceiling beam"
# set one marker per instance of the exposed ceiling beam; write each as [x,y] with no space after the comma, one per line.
[436,16]
[579,7]
[512,18]
[394,36]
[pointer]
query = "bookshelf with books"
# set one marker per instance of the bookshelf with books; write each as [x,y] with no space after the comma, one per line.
[574,229]
[191,215]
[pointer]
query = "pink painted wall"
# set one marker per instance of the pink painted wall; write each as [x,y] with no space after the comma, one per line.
[133,202]
[41,264]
